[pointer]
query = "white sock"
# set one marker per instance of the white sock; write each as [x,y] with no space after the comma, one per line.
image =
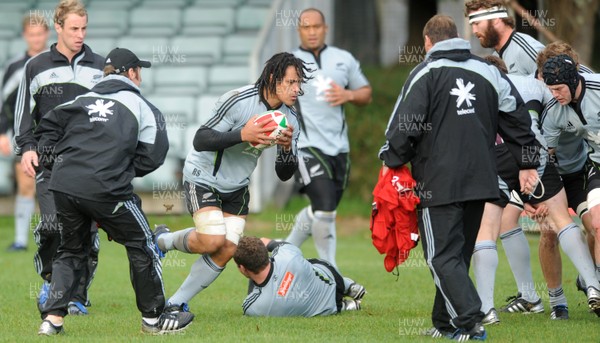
[573,244]
[301,229]
[24,208]
[485,263]
[175,240]
[332,243]
[323,232]
[150,321]
[203,272]
[557,296]
[347,283]
[516,248]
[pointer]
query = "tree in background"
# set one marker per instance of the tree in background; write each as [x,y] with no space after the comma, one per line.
[572,21]
[575,22]
[357,29]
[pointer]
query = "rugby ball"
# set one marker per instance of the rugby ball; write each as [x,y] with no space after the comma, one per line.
[275,120]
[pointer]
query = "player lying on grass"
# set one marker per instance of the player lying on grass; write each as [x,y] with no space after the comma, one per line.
[217,171]
[286,284]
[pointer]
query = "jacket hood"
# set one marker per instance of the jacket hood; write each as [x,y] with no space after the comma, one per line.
[456,49]
[115,83]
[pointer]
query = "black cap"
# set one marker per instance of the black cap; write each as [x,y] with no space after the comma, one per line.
[123,59]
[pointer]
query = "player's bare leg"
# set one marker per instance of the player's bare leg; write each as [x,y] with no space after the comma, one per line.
[573,244]
[593,240]
[593,216]
[549,253]
[551,264]
[224,254]
[215,237]
[586,219]
[206,237]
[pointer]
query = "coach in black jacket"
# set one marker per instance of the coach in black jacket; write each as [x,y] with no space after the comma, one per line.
[95,145]
[445,124]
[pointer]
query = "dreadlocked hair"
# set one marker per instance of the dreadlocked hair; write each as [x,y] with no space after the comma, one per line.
[274,71]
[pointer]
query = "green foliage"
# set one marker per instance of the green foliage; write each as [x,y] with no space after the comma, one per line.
[395,309]
[367,128]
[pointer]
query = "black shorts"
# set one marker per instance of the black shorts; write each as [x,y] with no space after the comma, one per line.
[339,281]
[575,189]
[592,180]
[508,173]
[592,183]
[198,196]
[316,165]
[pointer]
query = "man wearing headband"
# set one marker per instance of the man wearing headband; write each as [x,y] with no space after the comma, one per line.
[495,29]
[119,135]
[551,195]
[464,101]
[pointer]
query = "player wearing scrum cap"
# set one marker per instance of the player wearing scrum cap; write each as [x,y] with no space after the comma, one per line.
[118,135]
[495,29]
[571,152]
[550,194]
[286,284]
[68,69]
[580,92]
[465,101]
[217,171]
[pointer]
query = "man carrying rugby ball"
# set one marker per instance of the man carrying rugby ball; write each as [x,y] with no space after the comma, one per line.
[217,171]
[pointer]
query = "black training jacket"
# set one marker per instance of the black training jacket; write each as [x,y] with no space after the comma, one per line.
[445,123]
[50,80]
[96,144]
[10,85]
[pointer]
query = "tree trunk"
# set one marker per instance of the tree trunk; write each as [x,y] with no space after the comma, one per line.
[356,29]
[574,23]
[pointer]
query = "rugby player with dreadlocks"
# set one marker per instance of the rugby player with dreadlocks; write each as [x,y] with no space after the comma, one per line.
[217,171]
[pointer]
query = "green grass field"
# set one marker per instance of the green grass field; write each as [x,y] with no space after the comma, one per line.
[395,308]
